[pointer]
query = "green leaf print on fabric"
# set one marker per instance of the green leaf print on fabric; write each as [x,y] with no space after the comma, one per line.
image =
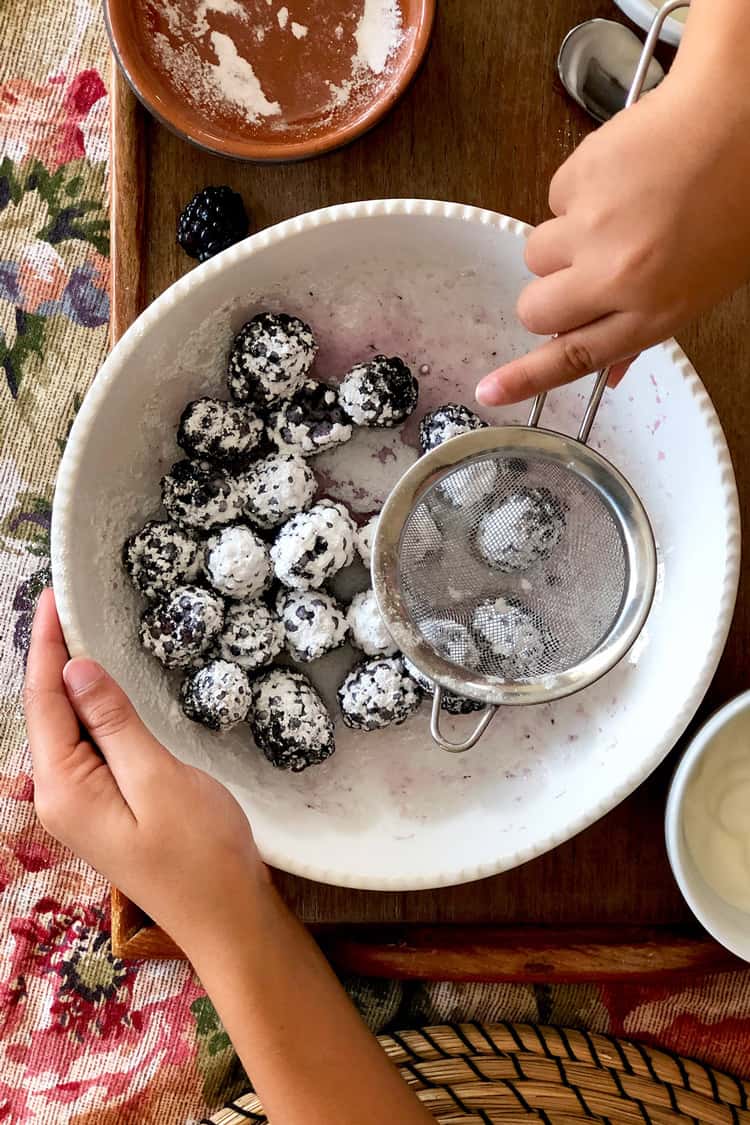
[27,344]
[74,195]
[27,525]
[223,1075]
[63,441]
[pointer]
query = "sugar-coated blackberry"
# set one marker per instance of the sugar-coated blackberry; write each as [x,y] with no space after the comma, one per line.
[453,641]
[238,564]
[522,530]
[180,627]
[513,640]
[378,693]
[471,484]
[313,621]
[270,357]
[161,555]
[218,430]
[201,496]
[217,695]
[252,636]
[276,488]
[453,704]
[447,422]
[213,219]
[289,721]
[310,422]
[365,540]
[367,627]
[313,546]
[381,392]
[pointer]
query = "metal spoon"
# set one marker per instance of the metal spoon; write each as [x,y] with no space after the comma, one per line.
[596,64]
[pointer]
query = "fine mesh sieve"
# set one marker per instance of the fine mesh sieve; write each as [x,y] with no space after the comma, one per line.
[514,565]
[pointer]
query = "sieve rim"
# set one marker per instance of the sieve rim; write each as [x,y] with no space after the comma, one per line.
[625,506]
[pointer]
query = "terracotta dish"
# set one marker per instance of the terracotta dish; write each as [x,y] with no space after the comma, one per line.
[269,80]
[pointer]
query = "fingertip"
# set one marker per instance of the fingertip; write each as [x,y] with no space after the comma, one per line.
[81,674]
[490,392]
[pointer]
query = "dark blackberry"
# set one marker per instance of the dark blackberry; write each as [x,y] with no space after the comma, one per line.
[213,219]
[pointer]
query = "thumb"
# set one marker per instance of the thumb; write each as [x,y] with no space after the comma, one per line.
[103,708]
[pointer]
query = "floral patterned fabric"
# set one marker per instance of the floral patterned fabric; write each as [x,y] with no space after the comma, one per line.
[84,1037]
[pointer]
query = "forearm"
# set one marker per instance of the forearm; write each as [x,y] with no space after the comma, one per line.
[309,1056]
[715,49]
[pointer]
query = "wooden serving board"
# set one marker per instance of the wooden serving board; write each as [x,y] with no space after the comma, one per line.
[485,123]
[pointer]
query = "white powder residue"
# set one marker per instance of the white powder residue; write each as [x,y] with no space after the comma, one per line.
[225,7]
[378,33]
[237,81]
[231,80]
[340,94]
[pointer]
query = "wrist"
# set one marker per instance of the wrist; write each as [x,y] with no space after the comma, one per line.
[710,65]
[232,919]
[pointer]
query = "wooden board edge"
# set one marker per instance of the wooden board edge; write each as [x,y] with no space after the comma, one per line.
[486,953]
[407,952]
[127,171]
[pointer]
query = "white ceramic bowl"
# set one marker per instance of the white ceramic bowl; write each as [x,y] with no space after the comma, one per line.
[723,921]
[436,283]
[642,12]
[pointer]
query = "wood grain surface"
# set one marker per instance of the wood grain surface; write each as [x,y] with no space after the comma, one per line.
[486,122]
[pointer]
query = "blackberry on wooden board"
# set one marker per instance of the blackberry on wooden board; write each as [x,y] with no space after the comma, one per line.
[214,219]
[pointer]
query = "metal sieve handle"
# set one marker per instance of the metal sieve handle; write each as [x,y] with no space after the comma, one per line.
[590,413]
[468,743]
[636,89]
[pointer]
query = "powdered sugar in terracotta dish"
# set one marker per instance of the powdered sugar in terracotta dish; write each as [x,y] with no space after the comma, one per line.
[290,68]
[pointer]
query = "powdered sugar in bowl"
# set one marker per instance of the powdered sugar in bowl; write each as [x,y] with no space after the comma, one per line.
[266,79]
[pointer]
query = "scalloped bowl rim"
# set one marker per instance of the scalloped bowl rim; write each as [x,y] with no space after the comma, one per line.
[202,276]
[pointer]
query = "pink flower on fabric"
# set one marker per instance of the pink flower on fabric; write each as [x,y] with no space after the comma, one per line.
[42,275]
[85,89]
[101,1028]
[47,121]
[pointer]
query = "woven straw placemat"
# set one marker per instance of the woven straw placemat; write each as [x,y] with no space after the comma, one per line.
[472,1073]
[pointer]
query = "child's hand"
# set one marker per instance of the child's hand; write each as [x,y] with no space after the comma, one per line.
[652,227]
[169,836]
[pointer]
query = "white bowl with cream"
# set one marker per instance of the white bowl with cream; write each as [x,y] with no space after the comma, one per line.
[642,12]
[708,826]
